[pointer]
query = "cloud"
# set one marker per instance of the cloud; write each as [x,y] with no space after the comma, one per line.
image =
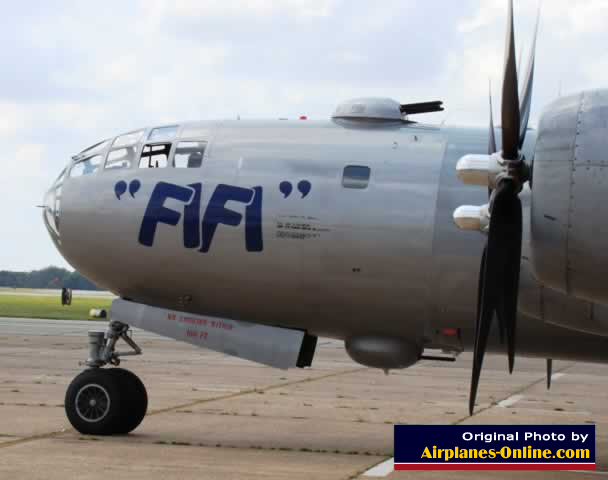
[486,14]
[12,119]
[573,16]
[297,8]
[80,73]
[26,162]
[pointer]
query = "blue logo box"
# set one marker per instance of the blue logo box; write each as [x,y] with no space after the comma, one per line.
[495,447]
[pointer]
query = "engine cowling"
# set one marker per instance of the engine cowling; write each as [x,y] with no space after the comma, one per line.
[569,228]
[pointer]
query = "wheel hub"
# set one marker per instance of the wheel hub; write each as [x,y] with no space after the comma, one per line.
[92,403]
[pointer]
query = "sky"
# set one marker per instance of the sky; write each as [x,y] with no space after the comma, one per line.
[77,72]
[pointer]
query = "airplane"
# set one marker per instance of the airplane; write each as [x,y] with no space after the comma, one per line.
[254,238]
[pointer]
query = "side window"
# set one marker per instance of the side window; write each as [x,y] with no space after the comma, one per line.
[120,158]
[189,154]
[86,167]
[155,156]
[356,176]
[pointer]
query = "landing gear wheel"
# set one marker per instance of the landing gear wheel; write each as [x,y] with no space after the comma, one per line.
[135,400]
[94,402]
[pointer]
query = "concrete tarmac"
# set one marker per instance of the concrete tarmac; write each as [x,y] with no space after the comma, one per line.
[213,416]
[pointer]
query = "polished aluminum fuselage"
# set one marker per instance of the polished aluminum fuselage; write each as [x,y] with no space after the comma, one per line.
[386,260]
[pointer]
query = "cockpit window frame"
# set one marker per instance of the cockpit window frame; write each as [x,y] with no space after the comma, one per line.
[86,158]
[174,128]
[100,148]
[207,138]
[180,141]
[142,138]
[137,135]
[62,176]
[91,150]
[142,153]
[132,162]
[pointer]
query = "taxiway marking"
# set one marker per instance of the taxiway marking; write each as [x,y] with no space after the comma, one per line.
[382,469]
[509,402]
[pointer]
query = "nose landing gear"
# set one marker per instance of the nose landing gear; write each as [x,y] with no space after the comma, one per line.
[107,401]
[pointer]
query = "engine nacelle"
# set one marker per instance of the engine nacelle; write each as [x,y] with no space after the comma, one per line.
[569,230]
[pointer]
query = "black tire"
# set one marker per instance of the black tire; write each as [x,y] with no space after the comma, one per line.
[135,399]
[94,402]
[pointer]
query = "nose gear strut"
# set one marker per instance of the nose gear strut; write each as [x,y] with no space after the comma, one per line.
[102,345]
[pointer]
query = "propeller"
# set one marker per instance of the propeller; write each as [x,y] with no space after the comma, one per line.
[549,372]
[500,264]
[491,151]
[491,134]
[526,92]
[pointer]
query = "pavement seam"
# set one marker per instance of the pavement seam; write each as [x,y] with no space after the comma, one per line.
[42,436]
[255,390]
[171,443]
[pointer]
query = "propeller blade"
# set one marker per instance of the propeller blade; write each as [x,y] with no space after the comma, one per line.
[526,99]
[499,279]
[549,372]
[504,252]
[480,284]
[520,58]
[492,135]
[502,324]
[481,340]
[478,352]
[511,277]
[510,96]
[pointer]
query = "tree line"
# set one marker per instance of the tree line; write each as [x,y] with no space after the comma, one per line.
[50,277]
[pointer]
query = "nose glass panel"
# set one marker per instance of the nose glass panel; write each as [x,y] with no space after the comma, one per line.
[50,214]
[52,207]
